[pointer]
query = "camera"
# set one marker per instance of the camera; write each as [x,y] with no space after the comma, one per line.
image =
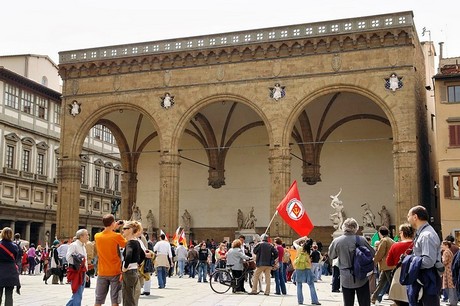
[120,222]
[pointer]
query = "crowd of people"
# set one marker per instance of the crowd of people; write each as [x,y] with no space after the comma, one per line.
[415,268]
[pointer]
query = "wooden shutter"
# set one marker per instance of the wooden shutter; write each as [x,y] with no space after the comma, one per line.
[447,187]
[454,135]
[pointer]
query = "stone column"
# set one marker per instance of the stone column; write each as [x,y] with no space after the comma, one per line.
[27,237]
[169,192]
[68,211]
[407,193]
[129,195]
[13,226]
[280,179]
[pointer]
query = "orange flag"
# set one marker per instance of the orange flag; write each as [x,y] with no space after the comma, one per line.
[293,213]
[182,238]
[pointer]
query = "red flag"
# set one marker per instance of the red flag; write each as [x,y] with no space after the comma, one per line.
[292,211]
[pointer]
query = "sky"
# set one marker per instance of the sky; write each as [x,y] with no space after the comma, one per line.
[48,27]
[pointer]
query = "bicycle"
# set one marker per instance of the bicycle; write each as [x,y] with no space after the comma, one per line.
[222,279]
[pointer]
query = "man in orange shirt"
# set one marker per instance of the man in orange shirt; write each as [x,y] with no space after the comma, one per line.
[107,245]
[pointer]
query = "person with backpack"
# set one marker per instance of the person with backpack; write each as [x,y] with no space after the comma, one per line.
[385,270]
[345,248]
[303,272]
[17,242]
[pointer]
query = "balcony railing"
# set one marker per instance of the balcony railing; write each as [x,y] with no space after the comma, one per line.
[308,30]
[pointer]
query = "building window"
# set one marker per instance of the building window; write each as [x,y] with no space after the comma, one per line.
[97,131]
[97,179]
[42,108]
[451,185]
[116,181]
[11,96]
[97,205]
[107,135]
[41,164]
[107,179]
[83,174]
[453,93]
[57,113]
[82,203]
[27,102]
[25,160]
[454,135]
[9,158]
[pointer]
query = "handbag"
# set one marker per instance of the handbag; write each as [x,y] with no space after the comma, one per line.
[249,265]
[148,266]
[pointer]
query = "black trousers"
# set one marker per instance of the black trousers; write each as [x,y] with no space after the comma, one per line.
[335,278]
[363,293]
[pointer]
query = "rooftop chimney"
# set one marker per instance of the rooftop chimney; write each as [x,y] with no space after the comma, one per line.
[441,44]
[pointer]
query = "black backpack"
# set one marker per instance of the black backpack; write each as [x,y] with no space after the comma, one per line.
[20,250]
[363,261]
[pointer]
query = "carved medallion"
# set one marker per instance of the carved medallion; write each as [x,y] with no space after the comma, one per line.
[394,82]
[278,92]
[167,101]
[393,57]
[220,73]
[276,68]
[336,63]
[75,87]
[167,77]
[74,108]
[116,83]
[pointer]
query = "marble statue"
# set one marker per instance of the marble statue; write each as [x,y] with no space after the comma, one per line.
[186,221]
[384,217]
[337,205]
[240,219]
[250,220]
[150,221]
[368,217]
[136,214]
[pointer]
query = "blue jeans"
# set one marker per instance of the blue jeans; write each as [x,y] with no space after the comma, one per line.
[280,280]
[192,269]
[75,300]
[181,265]
[311,284]
[202,271]
[161,275]
[316,268]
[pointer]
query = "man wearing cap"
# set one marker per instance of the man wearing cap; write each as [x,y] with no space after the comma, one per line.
[266,253]
[107,246]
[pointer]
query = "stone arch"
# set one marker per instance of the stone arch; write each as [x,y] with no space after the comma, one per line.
[311,146]
[297,110]
[95,117]
[188,115]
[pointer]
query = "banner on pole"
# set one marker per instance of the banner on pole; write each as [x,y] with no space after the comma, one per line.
[293,212]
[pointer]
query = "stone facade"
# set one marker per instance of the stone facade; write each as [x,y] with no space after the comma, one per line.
[331,76]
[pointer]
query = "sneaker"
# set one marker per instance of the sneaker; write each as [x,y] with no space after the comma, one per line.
[253,293]
[316,303]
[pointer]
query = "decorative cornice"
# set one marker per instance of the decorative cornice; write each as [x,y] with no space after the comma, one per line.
[294,40]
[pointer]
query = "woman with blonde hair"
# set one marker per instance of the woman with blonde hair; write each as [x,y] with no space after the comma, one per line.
[9,278]
[133,256]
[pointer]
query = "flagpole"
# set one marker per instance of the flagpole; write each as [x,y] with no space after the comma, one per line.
[276,212]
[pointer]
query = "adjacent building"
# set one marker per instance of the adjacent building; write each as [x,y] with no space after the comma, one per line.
[30,127]
[447,92]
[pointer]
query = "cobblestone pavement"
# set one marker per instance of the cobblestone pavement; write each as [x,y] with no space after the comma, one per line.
[178,291]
